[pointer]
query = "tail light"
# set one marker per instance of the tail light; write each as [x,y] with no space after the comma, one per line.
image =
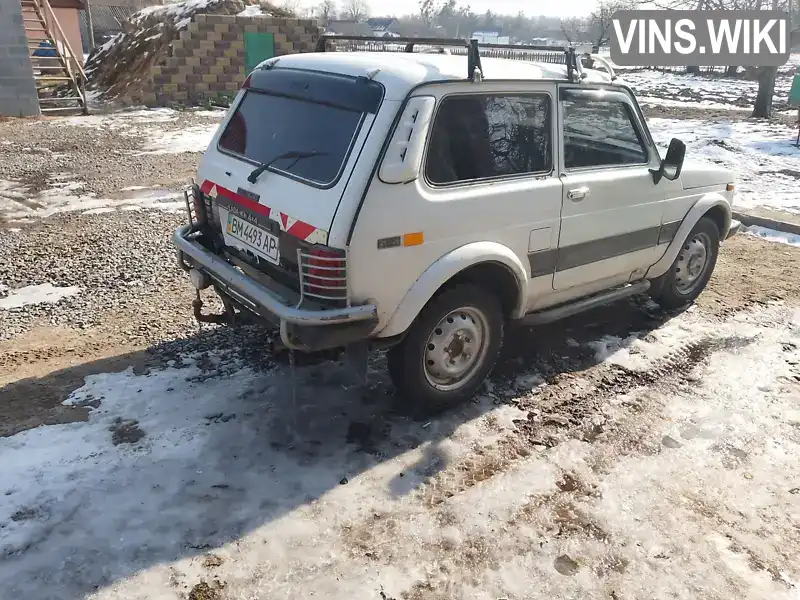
[324,273]
[199,206]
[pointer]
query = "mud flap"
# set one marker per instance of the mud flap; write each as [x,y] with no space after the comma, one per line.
[356,361]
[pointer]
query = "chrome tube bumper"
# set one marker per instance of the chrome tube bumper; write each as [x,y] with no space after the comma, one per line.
[262,297]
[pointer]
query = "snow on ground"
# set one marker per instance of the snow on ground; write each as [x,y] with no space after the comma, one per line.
[253,10]
[209,471]
[705,104]
[773,236]
[179,13]
[702,90]
[34,294]
[18,205]
[761,154]
[118,120]
[191,139]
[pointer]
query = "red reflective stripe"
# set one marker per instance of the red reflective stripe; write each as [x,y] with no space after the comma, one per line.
[298,229]
[301,230]
[245,202]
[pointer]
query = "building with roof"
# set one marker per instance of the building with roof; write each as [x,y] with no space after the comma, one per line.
[384,26]
[490,36]
[348,27]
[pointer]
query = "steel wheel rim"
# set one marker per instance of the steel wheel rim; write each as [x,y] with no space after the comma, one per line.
[455,349]
[692,263]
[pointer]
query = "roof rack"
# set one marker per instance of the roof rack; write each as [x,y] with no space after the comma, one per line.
[574,67]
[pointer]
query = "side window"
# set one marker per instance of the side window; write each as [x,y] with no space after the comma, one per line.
[600,133]
[479,136]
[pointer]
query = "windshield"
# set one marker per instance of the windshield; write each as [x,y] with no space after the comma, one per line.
[266,126]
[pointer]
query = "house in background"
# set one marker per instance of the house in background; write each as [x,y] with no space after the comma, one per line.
[348,27]
[490,36]
[384,26]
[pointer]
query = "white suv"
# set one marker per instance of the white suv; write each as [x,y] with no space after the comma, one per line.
[422,201]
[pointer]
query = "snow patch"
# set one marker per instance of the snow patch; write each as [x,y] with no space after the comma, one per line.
[702,91]
[773,236]
[45,293]
[703,105]
[235,464]
[761,155]
[191,139]
[180,13]
[17,204]
[117,120]
[254,10]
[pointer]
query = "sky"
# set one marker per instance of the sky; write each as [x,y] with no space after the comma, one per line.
[561,8]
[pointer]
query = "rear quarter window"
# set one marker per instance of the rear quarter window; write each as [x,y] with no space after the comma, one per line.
[486,136]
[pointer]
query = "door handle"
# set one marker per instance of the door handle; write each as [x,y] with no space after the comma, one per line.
[578,194]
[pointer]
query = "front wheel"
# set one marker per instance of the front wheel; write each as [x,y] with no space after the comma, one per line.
[450,348]
[692,269]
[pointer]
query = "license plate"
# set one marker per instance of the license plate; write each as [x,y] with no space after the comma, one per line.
[246,236]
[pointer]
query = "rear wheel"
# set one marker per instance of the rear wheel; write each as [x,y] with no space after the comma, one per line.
[450,348]
[692,269]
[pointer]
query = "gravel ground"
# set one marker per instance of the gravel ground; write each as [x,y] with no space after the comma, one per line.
[103,153]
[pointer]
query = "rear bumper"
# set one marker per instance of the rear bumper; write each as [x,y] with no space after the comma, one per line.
[735,228]
[271,304]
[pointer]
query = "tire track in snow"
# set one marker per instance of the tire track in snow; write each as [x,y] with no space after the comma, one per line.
[564,409]
[568,406]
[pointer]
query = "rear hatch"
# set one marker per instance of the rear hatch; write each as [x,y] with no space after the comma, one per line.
[275,172]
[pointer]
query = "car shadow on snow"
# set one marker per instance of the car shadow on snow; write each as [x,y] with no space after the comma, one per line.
[200,453]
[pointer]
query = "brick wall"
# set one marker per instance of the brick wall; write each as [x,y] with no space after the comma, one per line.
[17,87]
[208,59]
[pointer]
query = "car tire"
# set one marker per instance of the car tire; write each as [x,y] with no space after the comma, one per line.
[693,267]
[450,349]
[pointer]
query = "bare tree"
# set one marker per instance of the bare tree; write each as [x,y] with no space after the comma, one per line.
[326,11]
[573,29]
[599,25]
[428,11]
[356,10]
[765,75]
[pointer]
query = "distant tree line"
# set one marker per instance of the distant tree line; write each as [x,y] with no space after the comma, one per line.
[448,18]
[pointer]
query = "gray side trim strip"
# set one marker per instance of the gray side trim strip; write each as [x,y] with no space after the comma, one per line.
[543,262]
[602,249]
[546,262]
[668,231]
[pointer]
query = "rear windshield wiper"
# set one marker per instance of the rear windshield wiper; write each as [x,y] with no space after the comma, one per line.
[296,154]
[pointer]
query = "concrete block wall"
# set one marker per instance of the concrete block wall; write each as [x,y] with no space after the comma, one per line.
[18,96]
[208,59]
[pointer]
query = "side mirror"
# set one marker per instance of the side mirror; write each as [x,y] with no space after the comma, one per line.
[672,164]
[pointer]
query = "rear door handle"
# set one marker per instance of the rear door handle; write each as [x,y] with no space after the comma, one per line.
[578,194]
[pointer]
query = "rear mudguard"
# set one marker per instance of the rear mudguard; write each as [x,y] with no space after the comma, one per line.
[444,269]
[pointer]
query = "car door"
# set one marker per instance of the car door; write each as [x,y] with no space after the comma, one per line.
[611,209]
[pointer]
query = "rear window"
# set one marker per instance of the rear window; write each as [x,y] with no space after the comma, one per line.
[317,115]
[265,126]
